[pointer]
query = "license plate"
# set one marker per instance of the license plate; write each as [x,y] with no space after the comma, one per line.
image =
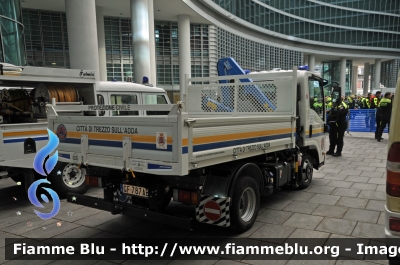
[135,190]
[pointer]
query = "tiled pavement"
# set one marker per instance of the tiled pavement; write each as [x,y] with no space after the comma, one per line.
[346,199]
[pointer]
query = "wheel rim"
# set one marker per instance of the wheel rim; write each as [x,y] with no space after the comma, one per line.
[247,204]
[308,171]
[72,176]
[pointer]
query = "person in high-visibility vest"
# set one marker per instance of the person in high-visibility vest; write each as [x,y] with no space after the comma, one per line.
[337,127]
[375,120]
[328,104]
[317,106]
[385,112]
[366,105]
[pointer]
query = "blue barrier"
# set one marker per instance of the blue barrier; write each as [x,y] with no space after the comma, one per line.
[362,120]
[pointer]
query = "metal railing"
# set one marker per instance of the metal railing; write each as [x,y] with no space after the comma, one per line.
[363,120]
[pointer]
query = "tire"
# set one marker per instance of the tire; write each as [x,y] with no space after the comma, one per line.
[68,178]
[245,204]
[306,172]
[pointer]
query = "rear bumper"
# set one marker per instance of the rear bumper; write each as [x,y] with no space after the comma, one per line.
[116,208]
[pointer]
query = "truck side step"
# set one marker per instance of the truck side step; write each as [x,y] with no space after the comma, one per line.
[98,203]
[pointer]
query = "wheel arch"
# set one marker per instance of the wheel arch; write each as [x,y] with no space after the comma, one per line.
[313,152]
[248,169]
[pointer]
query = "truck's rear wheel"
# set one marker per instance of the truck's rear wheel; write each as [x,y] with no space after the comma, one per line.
[306,172]
[68,178]
[245,204]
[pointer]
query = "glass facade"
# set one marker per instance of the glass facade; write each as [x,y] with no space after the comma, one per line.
[47,45]
[255,56]
[331,72]
[330,21]
[389,72]
[12,47]
[46,38]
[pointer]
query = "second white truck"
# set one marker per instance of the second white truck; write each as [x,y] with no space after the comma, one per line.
[23,119]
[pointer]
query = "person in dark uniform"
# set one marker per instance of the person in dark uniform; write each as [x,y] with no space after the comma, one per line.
[337,125]
[385,111]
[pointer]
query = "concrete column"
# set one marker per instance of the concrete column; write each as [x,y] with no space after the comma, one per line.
[354,80]
[311,62]
[140,39]
[82,35]
[184,49]
[366,79]
[343,75]
[377,74]
[101,42]
[153,59]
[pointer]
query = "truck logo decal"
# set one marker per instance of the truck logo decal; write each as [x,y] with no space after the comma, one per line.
[83,74]
[161,140]
[61,132]
[43,164]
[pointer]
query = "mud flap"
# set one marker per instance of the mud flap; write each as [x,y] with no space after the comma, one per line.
[213,210]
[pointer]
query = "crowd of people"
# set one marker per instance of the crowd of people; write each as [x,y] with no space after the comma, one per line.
[339,109]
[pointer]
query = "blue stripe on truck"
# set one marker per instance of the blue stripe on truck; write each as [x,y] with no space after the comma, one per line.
[8,141]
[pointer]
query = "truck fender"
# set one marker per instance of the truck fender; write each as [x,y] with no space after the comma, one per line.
[313,151]
[249,169]
[222,186]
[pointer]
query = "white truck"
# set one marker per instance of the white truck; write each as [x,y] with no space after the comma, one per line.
[215,152]
[23,119]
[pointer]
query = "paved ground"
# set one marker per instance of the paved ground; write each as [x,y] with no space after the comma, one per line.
[346,199]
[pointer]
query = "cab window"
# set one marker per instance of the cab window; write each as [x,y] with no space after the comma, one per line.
[155,99]
[316,97]
[124,99]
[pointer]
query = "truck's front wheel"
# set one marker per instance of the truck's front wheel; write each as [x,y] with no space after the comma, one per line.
[245,204]
[306,172]
[68,178]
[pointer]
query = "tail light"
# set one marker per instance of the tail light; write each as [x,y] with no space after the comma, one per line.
[393,171]
[185,196]
[394,224]
[93,181]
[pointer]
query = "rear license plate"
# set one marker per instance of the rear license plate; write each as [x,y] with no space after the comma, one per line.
[135,190]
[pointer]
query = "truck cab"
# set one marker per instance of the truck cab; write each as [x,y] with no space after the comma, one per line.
[119,93]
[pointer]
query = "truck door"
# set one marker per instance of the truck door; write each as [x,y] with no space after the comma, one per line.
[120,98]
[315,116]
